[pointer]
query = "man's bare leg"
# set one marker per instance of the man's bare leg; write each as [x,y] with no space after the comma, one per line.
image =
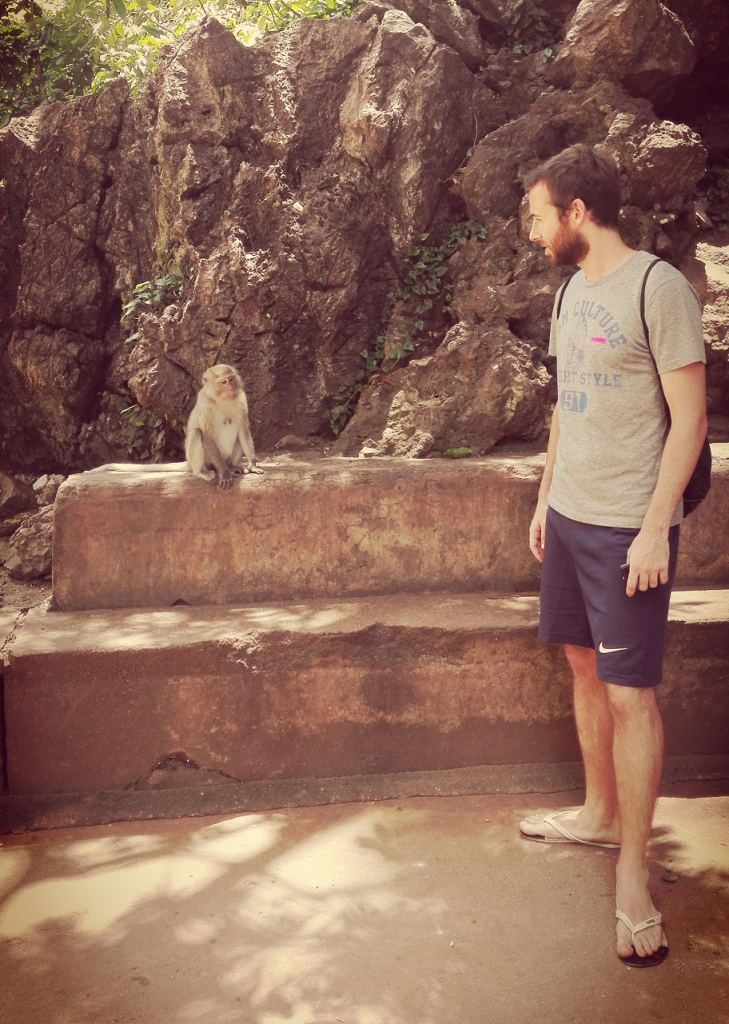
[638,758]
[621,738]
[598,820]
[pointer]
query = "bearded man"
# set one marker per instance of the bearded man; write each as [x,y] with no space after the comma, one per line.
[626,432]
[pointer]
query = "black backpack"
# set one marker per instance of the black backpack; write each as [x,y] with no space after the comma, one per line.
[699,482]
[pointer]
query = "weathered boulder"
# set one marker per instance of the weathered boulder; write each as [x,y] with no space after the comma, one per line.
[708,272]
[448,23]
[491,180]
[46,488]
[481,386]
[15,496]
[31,547]
[640,43]
[662,162]
[706,24]
[9,526]
[55,297]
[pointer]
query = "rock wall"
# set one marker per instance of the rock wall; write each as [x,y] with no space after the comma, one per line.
[288,181]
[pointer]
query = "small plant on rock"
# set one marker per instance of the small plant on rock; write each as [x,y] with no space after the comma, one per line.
[424,286]
[532,28]
[149,295]
[146,433]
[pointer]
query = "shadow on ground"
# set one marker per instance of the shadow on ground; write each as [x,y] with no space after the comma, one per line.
[428,911]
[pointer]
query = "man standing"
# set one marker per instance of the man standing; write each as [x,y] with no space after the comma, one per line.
[626,432]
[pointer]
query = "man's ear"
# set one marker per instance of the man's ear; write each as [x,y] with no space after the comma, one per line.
[578,212]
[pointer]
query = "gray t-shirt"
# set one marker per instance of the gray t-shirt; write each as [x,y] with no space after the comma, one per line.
[613,420]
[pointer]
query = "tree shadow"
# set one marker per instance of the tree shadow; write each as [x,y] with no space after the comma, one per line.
[428,912]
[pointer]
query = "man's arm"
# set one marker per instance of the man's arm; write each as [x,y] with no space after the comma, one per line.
[537,527]
[685,392]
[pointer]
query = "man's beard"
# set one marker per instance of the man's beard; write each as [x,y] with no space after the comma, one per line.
[568,247]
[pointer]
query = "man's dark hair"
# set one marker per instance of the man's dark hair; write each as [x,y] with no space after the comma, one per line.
[581,172]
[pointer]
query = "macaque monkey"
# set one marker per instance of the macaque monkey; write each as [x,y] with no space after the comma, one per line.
[218,433]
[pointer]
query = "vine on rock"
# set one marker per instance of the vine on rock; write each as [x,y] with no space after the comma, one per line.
[422,289]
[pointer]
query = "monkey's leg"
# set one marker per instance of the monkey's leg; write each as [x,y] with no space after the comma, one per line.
[214,458]
[195,455]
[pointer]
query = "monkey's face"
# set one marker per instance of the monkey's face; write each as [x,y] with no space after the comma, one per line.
[226,387]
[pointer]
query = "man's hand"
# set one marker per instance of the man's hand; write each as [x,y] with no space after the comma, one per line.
[648,556]
[537,531]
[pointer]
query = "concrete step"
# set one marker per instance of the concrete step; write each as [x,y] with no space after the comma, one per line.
[150,536]
[103,700]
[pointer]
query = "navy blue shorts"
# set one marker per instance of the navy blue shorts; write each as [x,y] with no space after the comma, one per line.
[582,600]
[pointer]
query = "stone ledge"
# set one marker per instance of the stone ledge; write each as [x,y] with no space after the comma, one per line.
[67,810]
[149,536]
[93,701]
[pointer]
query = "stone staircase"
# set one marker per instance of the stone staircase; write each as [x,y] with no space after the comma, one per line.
[315,631]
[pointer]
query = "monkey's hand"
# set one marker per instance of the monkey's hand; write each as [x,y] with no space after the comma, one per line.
[253,467]
[225,477]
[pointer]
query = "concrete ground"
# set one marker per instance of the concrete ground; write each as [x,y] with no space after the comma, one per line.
[418,911]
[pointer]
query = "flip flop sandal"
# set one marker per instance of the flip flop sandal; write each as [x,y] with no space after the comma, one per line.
[653,958]
[565,834]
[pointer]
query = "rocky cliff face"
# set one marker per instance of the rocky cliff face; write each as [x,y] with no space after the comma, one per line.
[289,182]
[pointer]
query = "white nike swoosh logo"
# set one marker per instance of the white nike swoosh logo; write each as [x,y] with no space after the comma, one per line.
[609,650]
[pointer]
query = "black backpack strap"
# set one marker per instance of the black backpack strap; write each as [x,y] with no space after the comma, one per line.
[642,300]
[699,483]
[562,290]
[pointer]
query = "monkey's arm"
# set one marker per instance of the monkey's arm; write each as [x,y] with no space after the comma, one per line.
[246,442]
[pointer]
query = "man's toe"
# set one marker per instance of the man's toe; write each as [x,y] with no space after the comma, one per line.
[624,946]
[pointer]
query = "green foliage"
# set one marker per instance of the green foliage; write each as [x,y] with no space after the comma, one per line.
[424,286]
[532,28]
[151,294]
[145,434]
[76,46]
[277,15]
[43,57]
[457,453]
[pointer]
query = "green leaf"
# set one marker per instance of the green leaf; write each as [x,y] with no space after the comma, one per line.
[119,7]
[418,325]
[457,453]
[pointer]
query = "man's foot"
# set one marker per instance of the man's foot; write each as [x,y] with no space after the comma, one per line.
[646,945]
[635,959]
[572,826]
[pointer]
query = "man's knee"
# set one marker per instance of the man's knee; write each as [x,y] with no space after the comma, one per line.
[627,701]
[582,659]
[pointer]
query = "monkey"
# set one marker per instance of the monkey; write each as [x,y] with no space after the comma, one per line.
[218,432]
